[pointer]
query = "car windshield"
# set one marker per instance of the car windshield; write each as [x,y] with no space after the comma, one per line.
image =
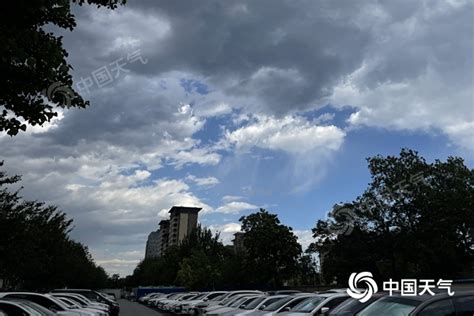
[278,304]
[58,302]
[197,297]
[42,310]
[241,301]
[308,305]
[230,300]
[219,297]
[30,310]
[390,306]
[77,300]
[253,304]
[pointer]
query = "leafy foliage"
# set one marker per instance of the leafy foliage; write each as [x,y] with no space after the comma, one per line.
[412,219]
[35,249]
[272,249]
[34,60]
[201,261]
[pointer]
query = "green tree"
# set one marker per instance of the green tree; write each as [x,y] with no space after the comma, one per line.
[198,271]
[35,249]
[412,219]
[34,73]
[272,249]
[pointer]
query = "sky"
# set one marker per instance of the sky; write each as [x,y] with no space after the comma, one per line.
[236,105]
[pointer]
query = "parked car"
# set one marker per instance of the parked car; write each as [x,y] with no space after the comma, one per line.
[160,304]
[48,302]
[169,306]
[29,304]
[73,305]
[284,292]
[83,301]
[95,296]
[282,305]
[144,299]
[234,306]
[352,306]
[320,304]
[202,308]
[461,304]
[188,307]
[257,304]
[224,303]
[14,308]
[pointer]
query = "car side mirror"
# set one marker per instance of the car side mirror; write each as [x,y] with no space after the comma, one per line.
[324,311]
[243,306]
[205,299]
[286,309]
[262,307]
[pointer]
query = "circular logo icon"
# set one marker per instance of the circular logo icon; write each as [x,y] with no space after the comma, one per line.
[56,90]
[369,285]
[345,218]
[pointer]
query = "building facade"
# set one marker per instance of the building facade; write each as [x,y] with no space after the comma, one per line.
[238,242]
[152,245]
[183,220]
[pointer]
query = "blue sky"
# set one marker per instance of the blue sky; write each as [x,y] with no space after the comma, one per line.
[230,106]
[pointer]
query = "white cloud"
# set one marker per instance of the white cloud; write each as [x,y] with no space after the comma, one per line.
[230,198]
[305,238]
[235,207]
[292,134]
[226,231]
[205,182]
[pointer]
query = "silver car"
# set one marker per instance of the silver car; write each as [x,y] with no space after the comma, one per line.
[257,304]
[234,306]
[320,304]
[282,305]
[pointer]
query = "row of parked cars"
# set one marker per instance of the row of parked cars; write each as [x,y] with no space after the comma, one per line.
[292,303]
[66,302]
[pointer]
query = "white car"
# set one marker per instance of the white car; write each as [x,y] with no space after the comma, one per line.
[172,305]
[49,302]
[282,305]
[257,304]
[83,302]
[189,307]
[73,305]
[233,307]
[320,304]
[160,303]
[204,307]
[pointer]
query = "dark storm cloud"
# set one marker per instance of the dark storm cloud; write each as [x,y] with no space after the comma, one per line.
[399,64]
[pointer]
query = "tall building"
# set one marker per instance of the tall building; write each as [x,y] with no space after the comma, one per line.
[152,245]
[238,242]
[183,220]
[163,236]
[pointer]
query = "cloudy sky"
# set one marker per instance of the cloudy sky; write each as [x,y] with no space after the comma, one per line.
[236,105]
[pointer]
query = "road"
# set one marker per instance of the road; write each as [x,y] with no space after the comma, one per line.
[128,308]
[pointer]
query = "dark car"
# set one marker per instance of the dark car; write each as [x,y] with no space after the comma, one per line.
[461,304]
[94,296]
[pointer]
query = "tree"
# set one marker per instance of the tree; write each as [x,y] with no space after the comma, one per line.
[35,249]
[412,219]
[197,271]
[272,249]
[34,73]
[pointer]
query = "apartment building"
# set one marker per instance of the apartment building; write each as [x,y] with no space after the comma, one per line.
[171,232]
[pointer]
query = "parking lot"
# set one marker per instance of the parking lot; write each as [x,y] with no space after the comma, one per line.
[128,308]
